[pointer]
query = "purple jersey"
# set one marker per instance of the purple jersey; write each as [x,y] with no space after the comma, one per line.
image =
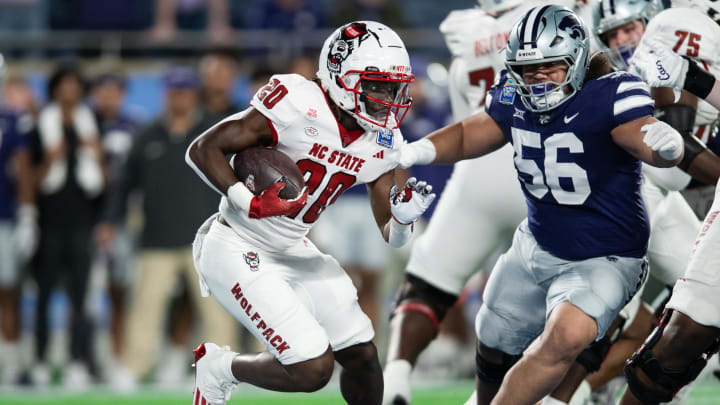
[582,189]
[10,140]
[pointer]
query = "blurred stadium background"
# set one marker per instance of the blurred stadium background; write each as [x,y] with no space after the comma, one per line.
[140,44]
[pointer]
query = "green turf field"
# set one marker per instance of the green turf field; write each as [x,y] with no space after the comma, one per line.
[707,393]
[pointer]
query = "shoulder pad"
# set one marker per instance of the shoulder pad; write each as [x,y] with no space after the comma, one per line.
[701,40]
[619,76]
[500,78]
[287,97]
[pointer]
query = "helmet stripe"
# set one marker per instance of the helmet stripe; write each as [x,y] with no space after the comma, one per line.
[531,31]
[536,25]
[608,7]
[523,24]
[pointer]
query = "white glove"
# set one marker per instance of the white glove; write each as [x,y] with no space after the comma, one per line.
[27,232]
[420,152]
[409,203]
[664,139]
[659,66]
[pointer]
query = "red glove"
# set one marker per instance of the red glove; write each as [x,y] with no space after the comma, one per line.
[269,203]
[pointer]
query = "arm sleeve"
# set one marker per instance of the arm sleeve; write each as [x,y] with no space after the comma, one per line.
[671,178]
[631,99]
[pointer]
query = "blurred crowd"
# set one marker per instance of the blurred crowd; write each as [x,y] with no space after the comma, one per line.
[98,208]
[163,18]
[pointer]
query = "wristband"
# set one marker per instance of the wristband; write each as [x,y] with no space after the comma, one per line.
[399,234]
[240,196]
[425,150]
[27,211]
[698,81]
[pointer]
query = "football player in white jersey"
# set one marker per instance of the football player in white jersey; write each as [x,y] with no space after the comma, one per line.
[253,256]
[690,332]
[661,67]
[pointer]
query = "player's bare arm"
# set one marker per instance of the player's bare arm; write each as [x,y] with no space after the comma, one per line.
[472,137]
[652,141]
[379,193]
[208,151]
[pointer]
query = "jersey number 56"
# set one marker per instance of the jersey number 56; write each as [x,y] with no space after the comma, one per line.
[537,184]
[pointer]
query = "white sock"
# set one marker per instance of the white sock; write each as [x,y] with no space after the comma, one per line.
[224,366]
[552,401]
[397,380]
[472,400]
[11,353]
[582,394]
[398,368]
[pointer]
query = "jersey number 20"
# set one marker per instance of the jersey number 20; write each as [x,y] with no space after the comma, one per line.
[553,170]
[314,173]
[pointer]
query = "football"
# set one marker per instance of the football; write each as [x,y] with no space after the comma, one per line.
[259,168]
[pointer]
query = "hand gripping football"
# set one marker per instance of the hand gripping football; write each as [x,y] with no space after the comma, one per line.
[259,168]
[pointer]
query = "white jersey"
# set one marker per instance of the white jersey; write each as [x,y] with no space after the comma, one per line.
[307,131]
[691,33]
[477,41]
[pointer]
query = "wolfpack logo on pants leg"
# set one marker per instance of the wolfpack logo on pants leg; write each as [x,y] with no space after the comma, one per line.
[252,259]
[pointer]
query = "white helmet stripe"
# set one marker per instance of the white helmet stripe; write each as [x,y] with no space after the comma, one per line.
[531,31]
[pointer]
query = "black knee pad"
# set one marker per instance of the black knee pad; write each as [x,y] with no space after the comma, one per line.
[666,382]
[592,357]
[416,289]
[491,372]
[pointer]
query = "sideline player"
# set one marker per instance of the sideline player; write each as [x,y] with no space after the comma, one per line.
[253,256]
[562,282]
[18,230]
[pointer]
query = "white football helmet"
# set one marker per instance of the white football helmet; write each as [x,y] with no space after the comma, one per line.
[497,6]
[365,69]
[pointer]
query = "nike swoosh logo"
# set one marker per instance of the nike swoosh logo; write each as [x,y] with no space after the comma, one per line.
[570,118]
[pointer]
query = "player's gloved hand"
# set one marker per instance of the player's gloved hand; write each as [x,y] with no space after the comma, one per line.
[268,203]
[420,152]
[663,139]
[659,66]
[27,232]
[409,203]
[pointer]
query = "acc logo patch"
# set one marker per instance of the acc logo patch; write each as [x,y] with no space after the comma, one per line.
[252,259]
[311,131]
[385,138]
[507,95]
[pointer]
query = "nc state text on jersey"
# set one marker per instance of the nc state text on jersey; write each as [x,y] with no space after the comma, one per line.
[340,159]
